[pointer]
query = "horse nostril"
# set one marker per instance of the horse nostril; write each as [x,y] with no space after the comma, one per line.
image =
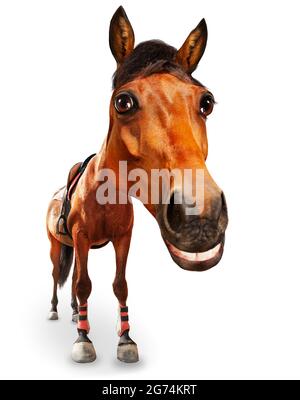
[223,218]
[178,222]
[224,204]
[174,214]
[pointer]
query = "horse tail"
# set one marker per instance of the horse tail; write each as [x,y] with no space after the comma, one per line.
[65,263]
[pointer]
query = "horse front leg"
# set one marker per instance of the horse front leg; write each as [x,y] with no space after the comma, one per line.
[127,348]
[83,350]
[74,303]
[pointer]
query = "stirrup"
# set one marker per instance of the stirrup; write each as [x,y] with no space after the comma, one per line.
[61,226]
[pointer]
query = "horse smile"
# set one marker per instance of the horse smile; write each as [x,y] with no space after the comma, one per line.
[196,261]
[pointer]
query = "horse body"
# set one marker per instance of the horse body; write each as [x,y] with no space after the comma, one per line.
[101,223]
[91,226]
[157,122]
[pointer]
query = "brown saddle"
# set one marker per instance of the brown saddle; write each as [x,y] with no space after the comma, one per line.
[73,178]
[72,174]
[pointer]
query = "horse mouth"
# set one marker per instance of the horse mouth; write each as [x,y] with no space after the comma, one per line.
[199,261]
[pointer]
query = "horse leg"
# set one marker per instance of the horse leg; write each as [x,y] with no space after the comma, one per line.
[83,350]
[55,248]
[127,348]
[74,303]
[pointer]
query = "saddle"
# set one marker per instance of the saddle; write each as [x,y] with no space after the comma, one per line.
[73,178]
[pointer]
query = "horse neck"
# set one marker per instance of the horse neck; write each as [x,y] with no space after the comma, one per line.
[102,154]
[111,152]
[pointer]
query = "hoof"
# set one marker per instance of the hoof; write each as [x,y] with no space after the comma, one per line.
[83,352]
[128,353]
[53,315]
[75,318]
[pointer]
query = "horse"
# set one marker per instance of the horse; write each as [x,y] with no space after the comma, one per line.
[158,114]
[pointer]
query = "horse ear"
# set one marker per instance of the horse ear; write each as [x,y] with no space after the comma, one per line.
[121,35]
[191,52]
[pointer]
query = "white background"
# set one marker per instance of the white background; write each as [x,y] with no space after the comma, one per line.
[239,320]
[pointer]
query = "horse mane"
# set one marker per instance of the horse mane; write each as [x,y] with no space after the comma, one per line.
[150,57]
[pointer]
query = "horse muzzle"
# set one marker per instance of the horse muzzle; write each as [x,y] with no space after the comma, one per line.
[195,242]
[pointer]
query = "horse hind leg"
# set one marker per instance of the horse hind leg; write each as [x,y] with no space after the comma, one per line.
[62,258]
[55,248]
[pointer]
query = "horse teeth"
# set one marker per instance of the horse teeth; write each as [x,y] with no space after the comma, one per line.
[204,256]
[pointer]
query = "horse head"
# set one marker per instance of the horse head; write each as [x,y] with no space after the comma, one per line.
[158,114]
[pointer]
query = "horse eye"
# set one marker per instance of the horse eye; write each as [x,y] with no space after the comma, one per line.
[207,103]
[124,102]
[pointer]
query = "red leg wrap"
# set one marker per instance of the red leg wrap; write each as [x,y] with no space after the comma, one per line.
[124,319]
[83,322]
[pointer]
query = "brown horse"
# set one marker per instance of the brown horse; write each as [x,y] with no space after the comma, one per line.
[158,117]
